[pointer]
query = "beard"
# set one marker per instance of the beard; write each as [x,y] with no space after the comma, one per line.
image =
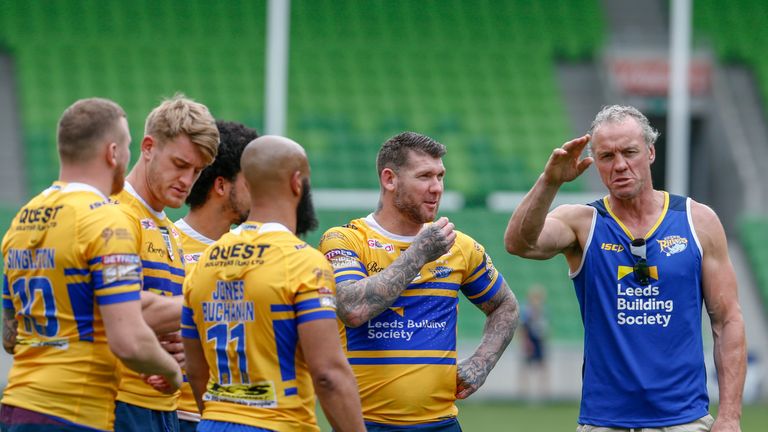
[408,209]
[118,180]
[306,219]
[240,212]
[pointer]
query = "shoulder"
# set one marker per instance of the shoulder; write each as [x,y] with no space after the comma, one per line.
[574,215]
[706,224]
[352,232]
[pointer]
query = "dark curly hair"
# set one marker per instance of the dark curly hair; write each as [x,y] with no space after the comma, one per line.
[233,139]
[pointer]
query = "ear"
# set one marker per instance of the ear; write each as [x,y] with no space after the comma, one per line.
[220,186]
[652,153]
[296,183]
[111,155]
[388,179]
[148,143]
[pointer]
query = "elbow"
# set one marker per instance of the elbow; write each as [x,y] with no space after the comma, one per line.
[128,350]
[349,319]
[330,380]
[513,245]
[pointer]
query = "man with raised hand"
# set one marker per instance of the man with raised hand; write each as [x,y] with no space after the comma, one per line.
[642,261]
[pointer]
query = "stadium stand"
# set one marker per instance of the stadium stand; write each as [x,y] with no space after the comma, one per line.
[478,76]
[359,71]
[737,32]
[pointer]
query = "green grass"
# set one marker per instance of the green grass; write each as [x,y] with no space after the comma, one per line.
[490,416]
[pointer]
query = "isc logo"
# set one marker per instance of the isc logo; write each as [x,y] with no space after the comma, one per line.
[612,247]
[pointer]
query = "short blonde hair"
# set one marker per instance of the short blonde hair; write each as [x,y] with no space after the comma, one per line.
[180,115]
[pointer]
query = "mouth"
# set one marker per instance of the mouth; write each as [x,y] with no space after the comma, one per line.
[179,191]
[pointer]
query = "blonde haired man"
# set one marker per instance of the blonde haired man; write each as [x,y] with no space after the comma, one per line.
[180,139]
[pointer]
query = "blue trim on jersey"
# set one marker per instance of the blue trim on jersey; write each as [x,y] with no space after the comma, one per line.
[76,271]
[358,267]
[313,316]
[401,360]
[7,300]
[163,266]
[162,284]
[281,308]
[353,277]
[119,298]
[490,293]
[286,339]
[345,252]
[478,268]
[118,283]
[187,316]
[190,333]
[434,285]
[81,299]
[307,304]
[291,391]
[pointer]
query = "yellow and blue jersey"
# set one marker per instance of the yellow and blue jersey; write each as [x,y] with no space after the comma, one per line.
[67,252]
[249,293]
[193,244]
[157,241]
[405,358]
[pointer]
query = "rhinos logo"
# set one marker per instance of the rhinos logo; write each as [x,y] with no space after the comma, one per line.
[671,245]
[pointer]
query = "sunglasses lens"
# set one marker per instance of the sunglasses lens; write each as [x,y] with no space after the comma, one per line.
[641,272]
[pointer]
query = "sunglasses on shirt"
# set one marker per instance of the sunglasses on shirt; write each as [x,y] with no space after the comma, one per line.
[640,269]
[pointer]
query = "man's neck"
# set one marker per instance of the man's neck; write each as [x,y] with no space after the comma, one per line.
[639,213]
[208,222]
[138,180]
[395,222]
[87,175]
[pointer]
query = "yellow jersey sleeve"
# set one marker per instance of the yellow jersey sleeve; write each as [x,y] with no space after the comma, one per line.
[484,280]
[343,250]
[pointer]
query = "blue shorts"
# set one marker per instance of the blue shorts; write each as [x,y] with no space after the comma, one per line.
[131,418]
[448,425]
[15,419]
[220,426]
[187,426]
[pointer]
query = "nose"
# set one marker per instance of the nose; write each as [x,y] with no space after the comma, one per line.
[188,177]
[436,186]
[619,163]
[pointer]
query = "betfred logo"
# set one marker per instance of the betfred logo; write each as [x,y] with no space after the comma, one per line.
[375,244]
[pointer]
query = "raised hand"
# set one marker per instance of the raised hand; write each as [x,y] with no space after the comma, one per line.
[565,163]
[434,240]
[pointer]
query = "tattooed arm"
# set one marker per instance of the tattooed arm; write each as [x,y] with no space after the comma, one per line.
[10,330]
[360,301]
[501,321]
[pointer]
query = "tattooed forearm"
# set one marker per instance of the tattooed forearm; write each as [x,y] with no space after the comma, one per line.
[360,301]
[502,319]
[10,326]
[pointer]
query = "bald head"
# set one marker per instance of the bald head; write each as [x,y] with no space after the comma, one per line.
[269,162]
